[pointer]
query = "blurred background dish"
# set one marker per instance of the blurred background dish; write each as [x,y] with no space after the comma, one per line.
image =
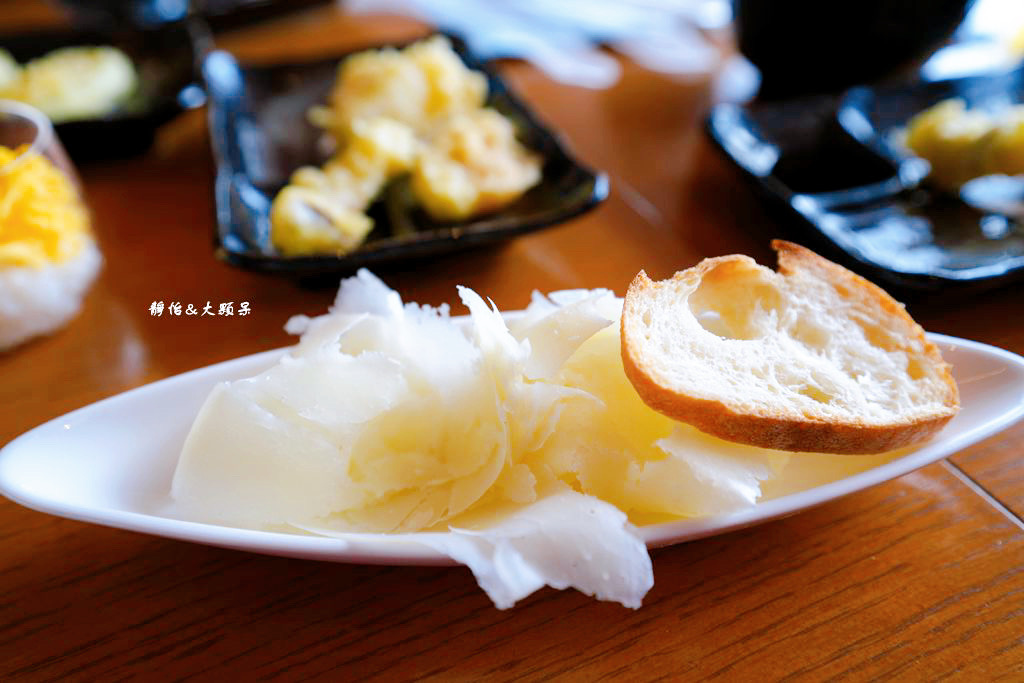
[71,83]
[163,58]
[878,117]
[48,256]
[863,208]
[260,134]
[831,159]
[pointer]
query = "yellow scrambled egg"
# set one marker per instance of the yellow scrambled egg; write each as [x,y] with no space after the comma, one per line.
[42,219]
[415,111]
[961,143]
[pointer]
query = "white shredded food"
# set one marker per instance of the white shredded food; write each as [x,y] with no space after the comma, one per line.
[520,448]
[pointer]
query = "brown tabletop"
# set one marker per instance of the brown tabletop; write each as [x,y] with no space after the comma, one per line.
[918,578]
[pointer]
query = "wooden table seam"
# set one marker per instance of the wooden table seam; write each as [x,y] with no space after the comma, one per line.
[983,493]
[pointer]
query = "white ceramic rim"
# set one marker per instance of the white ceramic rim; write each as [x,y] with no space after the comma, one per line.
[405,549]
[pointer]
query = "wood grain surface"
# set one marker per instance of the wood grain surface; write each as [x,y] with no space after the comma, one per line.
[997,465]
[921,578]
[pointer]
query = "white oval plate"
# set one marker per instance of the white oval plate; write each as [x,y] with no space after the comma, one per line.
[111,463]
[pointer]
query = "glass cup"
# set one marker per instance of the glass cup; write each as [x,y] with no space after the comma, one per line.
[48,256]
[21,124]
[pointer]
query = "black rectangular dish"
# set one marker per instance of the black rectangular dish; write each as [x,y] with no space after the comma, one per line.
[863,203]
[874,116]
[260,134]
[165,59]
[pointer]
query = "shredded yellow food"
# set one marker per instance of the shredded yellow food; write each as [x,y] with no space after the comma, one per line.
[42,218]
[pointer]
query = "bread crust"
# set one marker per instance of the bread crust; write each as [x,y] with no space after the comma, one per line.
[780,431]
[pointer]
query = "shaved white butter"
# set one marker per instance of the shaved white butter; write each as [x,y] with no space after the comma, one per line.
[567,540]
[523,443]
[556,327]
[715,477]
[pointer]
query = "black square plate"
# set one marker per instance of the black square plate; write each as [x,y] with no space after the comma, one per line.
[859,200]
[165,58]
[260,135]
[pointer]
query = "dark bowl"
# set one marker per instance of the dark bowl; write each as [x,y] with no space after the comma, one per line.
[168,84]
[811,46]
[260,134]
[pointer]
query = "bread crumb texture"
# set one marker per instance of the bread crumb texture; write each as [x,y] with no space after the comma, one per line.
[809,358]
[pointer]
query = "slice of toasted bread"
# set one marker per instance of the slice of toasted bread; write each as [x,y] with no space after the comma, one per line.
[811,358]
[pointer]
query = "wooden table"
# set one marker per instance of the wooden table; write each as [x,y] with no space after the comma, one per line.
[919,578]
